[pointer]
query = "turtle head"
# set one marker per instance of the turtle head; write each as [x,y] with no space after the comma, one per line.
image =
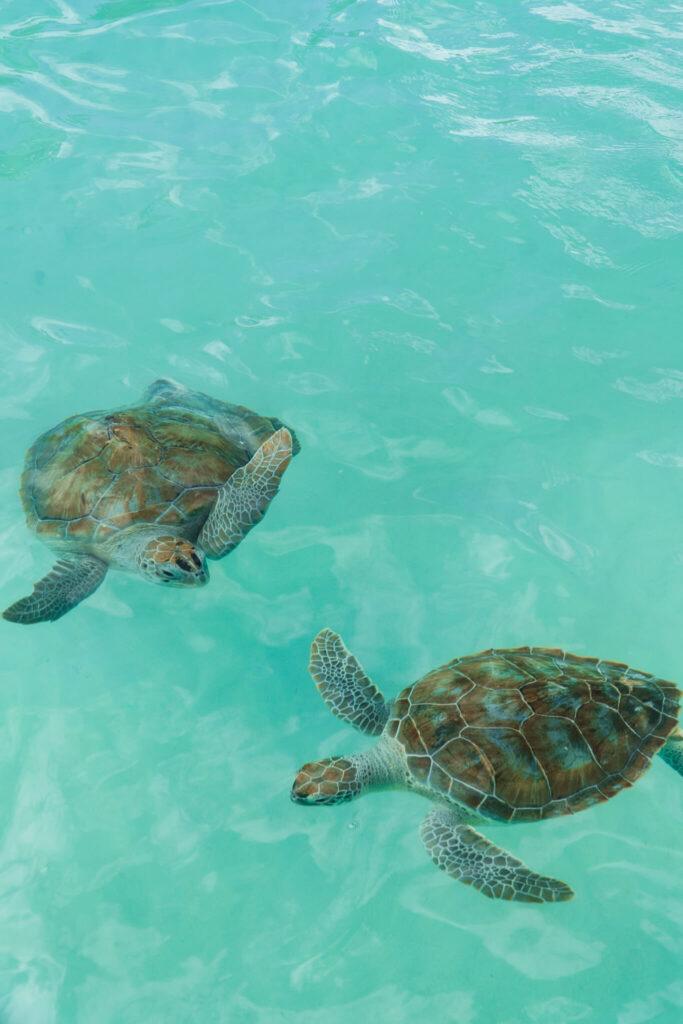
[331,781]
[173,561]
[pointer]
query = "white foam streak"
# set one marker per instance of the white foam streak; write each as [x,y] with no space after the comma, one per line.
[81,335]
[11,101]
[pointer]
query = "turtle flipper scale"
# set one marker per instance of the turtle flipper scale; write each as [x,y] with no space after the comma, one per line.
[672,751]
[243,499]
[469,857]
[278,425]
[69,581]
[348,692]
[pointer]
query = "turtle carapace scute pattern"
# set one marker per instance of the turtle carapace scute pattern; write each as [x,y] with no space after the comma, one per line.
[530,733]
[504,736]
[156,489]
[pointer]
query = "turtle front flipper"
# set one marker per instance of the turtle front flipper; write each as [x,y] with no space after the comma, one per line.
[465,854]
[69,581]
[244,498]
[348,692]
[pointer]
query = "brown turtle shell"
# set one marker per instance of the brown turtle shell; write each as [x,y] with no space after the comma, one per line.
[158,462]
[531,732]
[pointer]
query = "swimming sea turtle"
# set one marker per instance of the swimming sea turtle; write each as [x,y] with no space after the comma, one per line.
[155,489]
[519,734]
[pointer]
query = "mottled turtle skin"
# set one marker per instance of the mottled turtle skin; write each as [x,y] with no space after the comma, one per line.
[504,736]
[96,474]
[531,732]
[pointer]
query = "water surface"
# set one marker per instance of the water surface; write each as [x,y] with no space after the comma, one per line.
[443,242]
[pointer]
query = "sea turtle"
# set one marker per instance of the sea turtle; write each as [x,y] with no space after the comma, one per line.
[156,489]
[509,735]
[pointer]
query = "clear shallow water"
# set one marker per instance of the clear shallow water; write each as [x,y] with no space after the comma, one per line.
[445,245]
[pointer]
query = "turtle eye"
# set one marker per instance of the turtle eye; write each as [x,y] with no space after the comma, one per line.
[195,559]
[182,564]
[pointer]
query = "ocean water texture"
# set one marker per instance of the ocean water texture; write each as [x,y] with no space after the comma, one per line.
[443,241]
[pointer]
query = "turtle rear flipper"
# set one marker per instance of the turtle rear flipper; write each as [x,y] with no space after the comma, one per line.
[164,390]
[243,499]
[69,581]
[465,854]
[672,751]
[348,692]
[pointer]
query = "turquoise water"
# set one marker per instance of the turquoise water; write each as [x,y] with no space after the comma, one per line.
[443,242]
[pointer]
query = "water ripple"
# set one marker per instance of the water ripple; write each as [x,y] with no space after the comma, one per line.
[440,240]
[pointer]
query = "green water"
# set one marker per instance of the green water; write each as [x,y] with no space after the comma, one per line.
[443,241]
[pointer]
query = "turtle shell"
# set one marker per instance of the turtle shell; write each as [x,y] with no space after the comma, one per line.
[528,733]
[95,474]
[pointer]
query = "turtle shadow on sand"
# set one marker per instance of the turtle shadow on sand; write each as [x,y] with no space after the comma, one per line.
[504,736]
[155,489]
